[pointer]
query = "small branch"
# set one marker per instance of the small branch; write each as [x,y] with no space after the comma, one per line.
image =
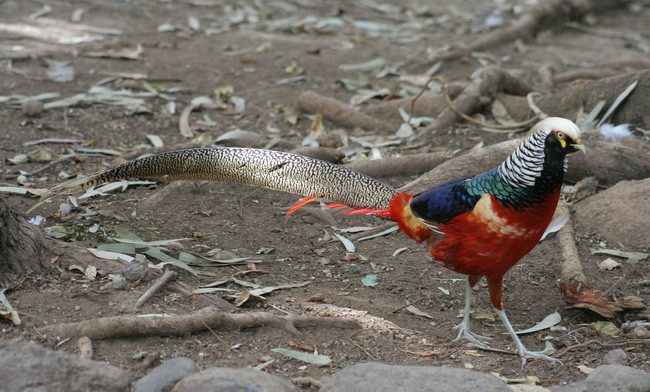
[155,287]
[337,111]
[210,317]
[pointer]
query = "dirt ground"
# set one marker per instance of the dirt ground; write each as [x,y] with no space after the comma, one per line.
[245,45]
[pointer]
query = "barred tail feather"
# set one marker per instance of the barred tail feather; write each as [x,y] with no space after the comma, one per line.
[275,170]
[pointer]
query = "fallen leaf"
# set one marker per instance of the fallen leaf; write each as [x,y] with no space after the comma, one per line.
[549,321]
[585,369]
[418,312]
[608,264]
[102,254]
[483,314]
[632,257]
[314,359]
[365,66]
[39,155]
[90,272]
[370,280]
[155,141]
[8,313]
[605,328]
[349,246]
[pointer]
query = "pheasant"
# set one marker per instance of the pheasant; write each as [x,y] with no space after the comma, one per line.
[479,226]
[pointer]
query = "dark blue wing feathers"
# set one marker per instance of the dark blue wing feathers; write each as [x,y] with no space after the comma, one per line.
[443,202]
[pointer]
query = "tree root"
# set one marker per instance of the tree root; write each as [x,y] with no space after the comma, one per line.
[573,282]
[428,104]
[203,319]
[337,112]
[586,94]
[608,162]
[405,165]
[542,15]
[482,89]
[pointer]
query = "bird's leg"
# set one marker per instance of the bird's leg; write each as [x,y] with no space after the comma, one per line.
[463,328]
[524,353]
[495,286]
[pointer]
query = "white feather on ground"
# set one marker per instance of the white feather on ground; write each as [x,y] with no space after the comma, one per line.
[615,132]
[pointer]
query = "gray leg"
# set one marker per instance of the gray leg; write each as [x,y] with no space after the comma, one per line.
[463,328]
[523,351]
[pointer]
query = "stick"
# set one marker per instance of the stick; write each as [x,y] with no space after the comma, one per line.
[155,287]
[542,15]
[209,317]
[337,111]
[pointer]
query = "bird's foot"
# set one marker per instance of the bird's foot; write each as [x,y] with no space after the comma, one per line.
[526,354]
[465,333]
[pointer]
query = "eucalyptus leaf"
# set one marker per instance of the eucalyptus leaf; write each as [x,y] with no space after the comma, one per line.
[370,280]
[549,321]
[314,359]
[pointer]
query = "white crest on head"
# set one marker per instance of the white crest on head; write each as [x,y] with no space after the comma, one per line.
[526,163]
[558,124]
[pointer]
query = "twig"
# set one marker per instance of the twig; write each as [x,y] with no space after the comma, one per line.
[61,159]
[155,287]
[358,345]
[372,231]
[530,98]
[306,382]
[132,326]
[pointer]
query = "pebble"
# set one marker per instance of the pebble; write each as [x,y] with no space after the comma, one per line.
[240,380]
[27,366]
[610,378]
[163,377]
[378,377]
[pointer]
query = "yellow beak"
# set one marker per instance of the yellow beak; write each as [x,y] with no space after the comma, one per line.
[580,147]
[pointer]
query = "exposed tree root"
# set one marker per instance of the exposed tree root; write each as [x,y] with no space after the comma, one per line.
[482,89]
[201,320]
[405,165]
[609,163]
[573,282]
[337,111]
[542,15]
[428,104]
[23,247]
[586,94]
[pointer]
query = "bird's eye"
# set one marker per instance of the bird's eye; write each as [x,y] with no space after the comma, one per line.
[560,135]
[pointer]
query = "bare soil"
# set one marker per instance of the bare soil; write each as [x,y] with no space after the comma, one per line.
[241,220]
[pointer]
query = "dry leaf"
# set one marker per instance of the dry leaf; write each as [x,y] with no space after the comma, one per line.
[608,264]
[428,353]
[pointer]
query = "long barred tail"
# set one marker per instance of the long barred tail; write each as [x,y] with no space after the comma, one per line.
[276,170]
